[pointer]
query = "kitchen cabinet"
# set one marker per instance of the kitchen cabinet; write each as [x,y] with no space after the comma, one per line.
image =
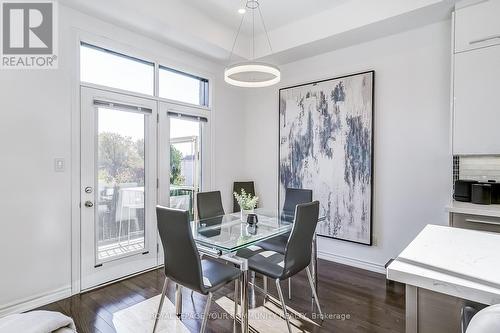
[475,222]
[476,116]
[467,215]
[477,26]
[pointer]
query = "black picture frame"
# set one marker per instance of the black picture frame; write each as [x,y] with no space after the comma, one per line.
[372,72]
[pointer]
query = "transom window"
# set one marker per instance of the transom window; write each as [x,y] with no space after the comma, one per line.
[112,69]
[182,87]
[108,68]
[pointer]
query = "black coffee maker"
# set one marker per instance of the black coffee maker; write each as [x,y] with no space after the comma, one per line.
[483,193]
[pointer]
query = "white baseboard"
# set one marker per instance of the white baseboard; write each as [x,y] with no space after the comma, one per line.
[369,266]
[36,301]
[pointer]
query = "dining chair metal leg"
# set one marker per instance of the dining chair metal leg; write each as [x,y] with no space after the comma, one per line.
[285,312]
[236,296]
[289,288]
[206,313]
[178,300]
[315,295]
[264,280]
[162,298]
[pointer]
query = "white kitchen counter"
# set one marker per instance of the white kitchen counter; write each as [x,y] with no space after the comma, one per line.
[473,209]
[457,262]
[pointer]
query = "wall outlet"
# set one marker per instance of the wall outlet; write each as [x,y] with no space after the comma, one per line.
[59,165]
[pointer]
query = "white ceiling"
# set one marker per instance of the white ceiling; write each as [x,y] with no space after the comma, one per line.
[276,13]
[297,28]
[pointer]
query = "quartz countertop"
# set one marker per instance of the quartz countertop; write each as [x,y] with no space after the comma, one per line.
[474,209]
[458,262]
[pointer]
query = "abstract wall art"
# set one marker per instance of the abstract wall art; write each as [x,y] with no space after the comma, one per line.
[326,144]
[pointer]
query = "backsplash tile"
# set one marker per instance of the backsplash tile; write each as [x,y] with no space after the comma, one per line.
[481,168]
[456,168]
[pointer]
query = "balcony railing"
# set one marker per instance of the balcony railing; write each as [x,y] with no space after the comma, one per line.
[120,227]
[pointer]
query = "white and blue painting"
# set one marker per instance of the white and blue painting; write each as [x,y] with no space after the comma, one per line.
[326,131]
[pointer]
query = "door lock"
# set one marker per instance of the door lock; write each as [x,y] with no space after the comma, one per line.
[89,204]
[88,189]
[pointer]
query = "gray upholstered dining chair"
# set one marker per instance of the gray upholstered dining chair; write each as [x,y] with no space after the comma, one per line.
[297,256]
[209,204]
[183,264]
[293,197]
[249,187]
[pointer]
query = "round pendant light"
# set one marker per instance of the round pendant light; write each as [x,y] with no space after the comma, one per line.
[252,74]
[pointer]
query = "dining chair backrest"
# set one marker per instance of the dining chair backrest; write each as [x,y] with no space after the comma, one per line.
[209,204]
[249,187]
[182,261]
[299,246]
[294,197]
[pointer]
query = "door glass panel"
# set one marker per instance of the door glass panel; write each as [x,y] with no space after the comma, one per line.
[185,171]
[120,178]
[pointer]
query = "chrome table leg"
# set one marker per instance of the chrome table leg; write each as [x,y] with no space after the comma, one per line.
[244,301]
[289,288]
[314,260]
[314,264]
[178,300]
[235,298]
[264,281]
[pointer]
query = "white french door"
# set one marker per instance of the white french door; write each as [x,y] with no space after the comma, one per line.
[183,167]
[118,185]
[183,156]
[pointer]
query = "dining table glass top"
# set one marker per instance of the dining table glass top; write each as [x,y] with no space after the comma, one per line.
[228,233]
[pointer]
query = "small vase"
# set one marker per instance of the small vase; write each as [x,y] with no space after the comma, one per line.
[244,214]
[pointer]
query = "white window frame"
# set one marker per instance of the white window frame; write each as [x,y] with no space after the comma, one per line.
[208,112]
[157,61]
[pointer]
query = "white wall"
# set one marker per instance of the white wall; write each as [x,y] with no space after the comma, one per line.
[412,162]
[35,127]
[412,158]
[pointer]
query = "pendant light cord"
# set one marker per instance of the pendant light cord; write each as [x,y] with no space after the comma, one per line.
[236,38]
[265,30]
[253,33]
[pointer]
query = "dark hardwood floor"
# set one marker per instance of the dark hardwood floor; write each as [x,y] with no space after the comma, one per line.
[363,297]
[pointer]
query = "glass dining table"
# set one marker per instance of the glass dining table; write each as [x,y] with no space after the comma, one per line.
[222,236]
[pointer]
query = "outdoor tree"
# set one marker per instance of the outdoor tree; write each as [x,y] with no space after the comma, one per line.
[121,160]
[176,177]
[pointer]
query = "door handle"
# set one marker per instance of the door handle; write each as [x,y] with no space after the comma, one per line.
[89,204]
[482,221]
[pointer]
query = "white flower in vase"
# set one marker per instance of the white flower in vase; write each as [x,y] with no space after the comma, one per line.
[247,203]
